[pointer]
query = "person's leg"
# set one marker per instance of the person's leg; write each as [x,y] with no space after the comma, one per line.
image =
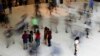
[75,52]
[37,43]
[49,42]
[25,45]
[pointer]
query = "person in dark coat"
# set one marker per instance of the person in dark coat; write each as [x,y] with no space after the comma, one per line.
[10,4]
[25,39]
[25,2]
[2,20]
[4,4]
[87,32]
[45,34]
[31,37]
[20,2]
[49,37]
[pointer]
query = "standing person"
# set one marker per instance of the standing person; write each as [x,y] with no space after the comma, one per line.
[87,32]
[50,7]
[10,4]
[1,8]
[20,2]
[85,6]
[2,16]
[37,2]
[4,4]
[91,4]
[17,2]
[54,5]
[25,2]
[45,34]
[49,36]
[8,33]
[37,9]
[31,37]
[35,23]
[25,39]
[37,38]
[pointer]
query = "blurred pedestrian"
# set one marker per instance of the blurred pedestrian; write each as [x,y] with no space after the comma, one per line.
[4,4]
[37,38]
[45,34]
[76,42]
[91,5]
[87,32]
[49,36]
[10,4]
[35,23]
[85,6]
[25,2]
[20,2]
[31,37]
[25,37]
[16,2]
[8,34]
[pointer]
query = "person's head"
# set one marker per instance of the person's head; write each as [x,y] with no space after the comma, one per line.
[31,32]
[45,28]
[25,32]
[77,38]
[38,32]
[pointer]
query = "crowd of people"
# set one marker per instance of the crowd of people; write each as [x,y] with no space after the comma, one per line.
[28,35]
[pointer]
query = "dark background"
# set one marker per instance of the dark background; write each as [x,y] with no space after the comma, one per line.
[97,0]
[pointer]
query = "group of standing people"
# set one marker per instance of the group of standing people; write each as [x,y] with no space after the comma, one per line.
[47,36]
[28,38]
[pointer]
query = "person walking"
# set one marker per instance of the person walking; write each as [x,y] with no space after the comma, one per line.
[10,4]
[37,38]
[25,39]
[49,36]
[76,42]
[91,4]
[87,32]
[4,4]
[8,34]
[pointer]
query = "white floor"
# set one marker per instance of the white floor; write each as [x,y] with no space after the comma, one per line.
[62,42]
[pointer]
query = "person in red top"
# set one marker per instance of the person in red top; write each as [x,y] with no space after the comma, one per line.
[37,38]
